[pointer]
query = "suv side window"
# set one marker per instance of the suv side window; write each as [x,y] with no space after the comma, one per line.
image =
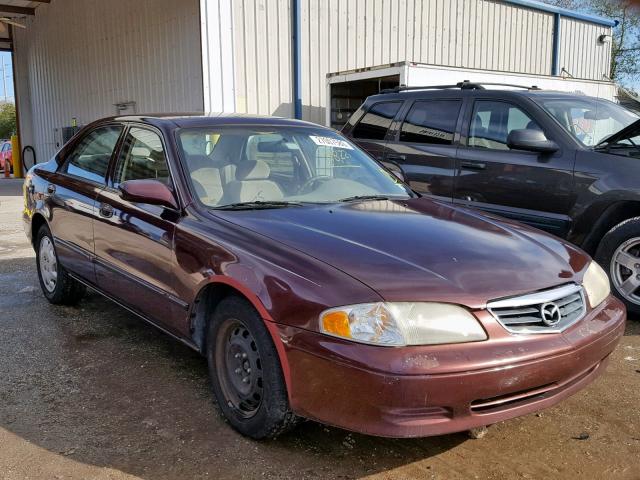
[142,157]
[492,121]
[375,123]
[90,158]
[432,121]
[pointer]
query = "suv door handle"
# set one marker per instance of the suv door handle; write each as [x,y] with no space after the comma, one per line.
[470,165]
[106,210]
[396,157]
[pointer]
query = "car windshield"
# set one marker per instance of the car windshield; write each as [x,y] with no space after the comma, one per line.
[270,167]
[590,120]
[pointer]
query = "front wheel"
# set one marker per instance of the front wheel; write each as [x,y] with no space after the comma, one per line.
[58,287]
[245,371]
[619,255]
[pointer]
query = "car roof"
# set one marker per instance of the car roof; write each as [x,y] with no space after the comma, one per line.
[458,93]
[199,119]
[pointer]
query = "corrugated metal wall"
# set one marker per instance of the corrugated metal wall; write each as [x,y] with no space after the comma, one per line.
[342,35]
[77,58]
[580,52]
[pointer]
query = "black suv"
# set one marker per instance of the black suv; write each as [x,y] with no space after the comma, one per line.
[565,163]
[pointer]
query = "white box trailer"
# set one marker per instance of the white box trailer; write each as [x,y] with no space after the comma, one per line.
[347,90]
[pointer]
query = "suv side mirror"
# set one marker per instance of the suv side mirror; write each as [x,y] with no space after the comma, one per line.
[395,169]
[531,140]
[149,191]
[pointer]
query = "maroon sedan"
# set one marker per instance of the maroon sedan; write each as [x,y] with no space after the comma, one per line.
[317,284]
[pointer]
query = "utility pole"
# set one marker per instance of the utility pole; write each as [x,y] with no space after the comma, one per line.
[4,82]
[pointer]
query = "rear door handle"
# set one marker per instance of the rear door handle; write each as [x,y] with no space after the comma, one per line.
[470,165]
[106,210]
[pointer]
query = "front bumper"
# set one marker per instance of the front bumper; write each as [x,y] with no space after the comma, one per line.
[424,391]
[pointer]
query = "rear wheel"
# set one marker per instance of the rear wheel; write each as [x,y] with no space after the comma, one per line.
[58,287]
[619,254]
[245,371]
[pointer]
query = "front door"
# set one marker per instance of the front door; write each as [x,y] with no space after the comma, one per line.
[531,187]
[425,147]
[134,241]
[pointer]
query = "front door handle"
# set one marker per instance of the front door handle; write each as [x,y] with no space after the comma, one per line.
[106,210]
[470,165]
[396,157]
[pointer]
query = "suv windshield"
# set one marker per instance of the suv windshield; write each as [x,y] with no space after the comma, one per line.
[590,120]
[270,167]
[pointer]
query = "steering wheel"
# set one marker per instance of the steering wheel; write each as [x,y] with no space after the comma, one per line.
[311,181]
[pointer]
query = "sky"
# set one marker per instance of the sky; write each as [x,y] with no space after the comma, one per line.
[5,59]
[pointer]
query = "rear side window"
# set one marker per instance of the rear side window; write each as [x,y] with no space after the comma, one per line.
[432,121]
[90,158]
[492,122]
[376,121]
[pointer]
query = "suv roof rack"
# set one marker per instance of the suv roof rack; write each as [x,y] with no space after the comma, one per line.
[464,85]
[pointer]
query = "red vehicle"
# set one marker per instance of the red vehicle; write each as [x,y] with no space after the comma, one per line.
[5,157]
[316,283]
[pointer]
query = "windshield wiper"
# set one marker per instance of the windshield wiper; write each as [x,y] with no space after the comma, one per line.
[257,205]
[364,197]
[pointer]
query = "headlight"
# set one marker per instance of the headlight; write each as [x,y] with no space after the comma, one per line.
[596,284]
[406,323]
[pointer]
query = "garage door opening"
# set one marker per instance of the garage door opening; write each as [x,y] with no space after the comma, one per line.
[346,97]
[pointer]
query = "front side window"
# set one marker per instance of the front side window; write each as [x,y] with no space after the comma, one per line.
[431,122]
[281,164]
[375,123]
[492,122]
[142,157]
[90,158]
[589,120]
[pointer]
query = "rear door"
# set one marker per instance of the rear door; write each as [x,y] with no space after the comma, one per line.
[134,241]
[424,147]
[531,187]
[370,133]
[72,192]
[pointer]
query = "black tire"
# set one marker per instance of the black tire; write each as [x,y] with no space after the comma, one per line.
[234,324]
[67,290]
[624,232]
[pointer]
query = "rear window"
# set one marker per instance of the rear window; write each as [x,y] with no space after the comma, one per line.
[432,121]
[376,121]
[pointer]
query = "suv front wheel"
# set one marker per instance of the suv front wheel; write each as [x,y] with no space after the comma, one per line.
[619,254]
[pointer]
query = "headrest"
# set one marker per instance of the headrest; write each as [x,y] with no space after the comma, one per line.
[253,170]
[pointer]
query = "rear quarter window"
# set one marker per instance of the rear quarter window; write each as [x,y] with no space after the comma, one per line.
[376,122]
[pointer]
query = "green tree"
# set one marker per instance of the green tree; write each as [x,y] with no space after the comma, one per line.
[7,120]
[625,41]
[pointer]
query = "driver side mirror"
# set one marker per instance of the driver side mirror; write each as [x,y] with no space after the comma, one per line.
[531,140]
[149,191]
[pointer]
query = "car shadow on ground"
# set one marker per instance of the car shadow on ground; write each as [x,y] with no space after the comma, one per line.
[96,384]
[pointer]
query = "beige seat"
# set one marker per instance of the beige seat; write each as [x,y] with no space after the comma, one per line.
[208,184]
[252,184]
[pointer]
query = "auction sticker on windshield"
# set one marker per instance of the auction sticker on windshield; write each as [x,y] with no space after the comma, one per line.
[330,142]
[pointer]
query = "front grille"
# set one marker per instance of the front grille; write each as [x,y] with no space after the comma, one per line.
[549,311]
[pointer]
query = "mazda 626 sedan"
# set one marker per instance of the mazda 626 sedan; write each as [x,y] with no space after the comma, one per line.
[316,283]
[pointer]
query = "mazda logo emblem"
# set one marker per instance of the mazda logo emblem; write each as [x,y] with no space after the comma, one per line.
[550,313]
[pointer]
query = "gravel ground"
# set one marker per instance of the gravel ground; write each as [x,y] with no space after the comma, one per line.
[93,393]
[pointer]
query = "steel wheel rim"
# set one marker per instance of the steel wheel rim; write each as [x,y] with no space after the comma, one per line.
[48,264]
[239,368]
[625,270]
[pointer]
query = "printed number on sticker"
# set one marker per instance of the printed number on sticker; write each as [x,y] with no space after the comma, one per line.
[330,142]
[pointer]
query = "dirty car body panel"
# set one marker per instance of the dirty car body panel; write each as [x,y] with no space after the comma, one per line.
[292,264]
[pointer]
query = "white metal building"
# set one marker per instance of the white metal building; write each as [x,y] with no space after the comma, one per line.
[78,60]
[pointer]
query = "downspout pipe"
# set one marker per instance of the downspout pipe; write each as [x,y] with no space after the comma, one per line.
[555,59]
[297,57]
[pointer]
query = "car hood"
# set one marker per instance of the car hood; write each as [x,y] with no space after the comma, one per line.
[421,250]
